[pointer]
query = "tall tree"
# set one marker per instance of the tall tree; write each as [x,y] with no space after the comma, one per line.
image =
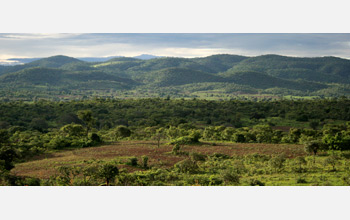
[88,120]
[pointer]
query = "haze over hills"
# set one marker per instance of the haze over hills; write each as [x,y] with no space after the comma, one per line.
[19,61]
[227,75]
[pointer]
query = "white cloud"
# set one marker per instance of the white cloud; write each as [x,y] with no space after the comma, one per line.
[37,36]
[179,45]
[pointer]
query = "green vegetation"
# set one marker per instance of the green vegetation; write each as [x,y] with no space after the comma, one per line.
[215,77]
[309,141]
[217,120]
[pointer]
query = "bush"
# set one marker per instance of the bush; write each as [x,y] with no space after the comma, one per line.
[176,149]
[220,156]
[122,132]
[31,182]
[230,177]
[197,157]
[346,179]
[58,142]
[239,138]
[277,162]
[144,161]
[238,167]
[133,161]
[183,140]
[215,181]
[331,160]
[95,138]
[108,172]
[298,162]
[255,182]
[7,156]
[301,180]
[195,136]
[187,166]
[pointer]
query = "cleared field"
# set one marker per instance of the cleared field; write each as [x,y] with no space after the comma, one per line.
[46,165]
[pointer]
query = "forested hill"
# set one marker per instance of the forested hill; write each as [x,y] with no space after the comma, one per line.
[220,76]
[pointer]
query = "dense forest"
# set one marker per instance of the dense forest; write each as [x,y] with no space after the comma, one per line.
[169,141]
[213,77]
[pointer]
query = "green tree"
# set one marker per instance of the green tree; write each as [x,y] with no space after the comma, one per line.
[159,135]
[332,160]
[7,155]
[277,162]
[88,120]
[108,172]
[73,130]
[39,124]
[230,176]
[122,132]
[4,137]
[313,147]
[144,161]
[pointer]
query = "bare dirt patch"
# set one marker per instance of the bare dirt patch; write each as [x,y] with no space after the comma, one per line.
[46,165]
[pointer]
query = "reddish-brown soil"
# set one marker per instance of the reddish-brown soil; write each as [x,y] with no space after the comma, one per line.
[46,165]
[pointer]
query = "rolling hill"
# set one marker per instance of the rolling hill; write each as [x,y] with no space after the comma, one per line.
[223,73]
[320,69]
[264,81]
[62,78]
[177,76]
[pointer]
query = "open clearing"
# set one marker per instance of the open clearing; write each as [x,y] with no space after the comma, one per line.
[46,165]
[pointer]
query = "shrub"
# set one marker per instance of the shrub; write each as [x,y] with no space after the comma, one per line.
[239,138]
[144,161]
[95,138]
[255,182]
[176,149]
[215,181]
[220,156]
[230,176]
[187,166]
[255,157]
[195,136]
[7,155]
[64,176]
[299,161]
[313,147]
[59,142]
[31,182]
[238,167]
[301,180]
[198,157]
[73,130]
[331,160]
[133,161]
[183,140]
[122,132]
[346,179]
[277,162]
[108,172]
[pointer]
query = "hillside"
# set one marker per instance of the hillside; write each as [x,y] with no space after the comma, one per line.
[221,76]
[177,76]
[50,62]
[323,69]
[60,78]
[264,81]
[219,63]
[36,75]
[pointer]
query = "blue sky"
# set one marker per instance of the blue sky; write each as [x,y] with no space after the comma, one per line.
[176,45]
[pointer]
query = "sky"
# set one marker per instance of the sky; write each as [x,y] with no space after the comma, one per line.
[173,45]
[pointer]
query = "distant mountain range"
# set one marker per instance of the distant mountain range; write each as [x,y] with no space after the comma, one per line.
[180,77]
[19,61]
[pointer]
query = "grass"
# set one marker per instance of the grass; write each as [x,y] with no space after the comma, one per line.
[45,165]
[312,174]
